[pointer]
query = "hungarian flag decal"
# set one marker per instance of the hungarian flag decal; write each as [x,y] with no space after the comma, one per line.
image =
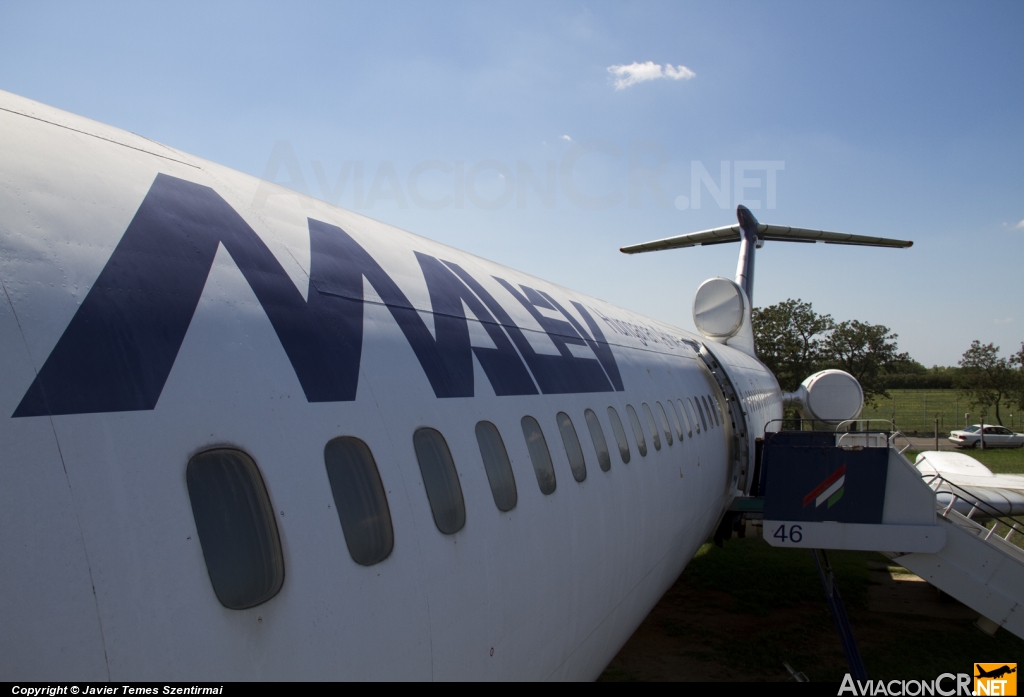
[830,490]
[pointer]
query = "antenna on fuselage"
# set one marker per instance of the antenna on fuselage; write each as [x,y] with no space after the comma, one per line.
[721,311]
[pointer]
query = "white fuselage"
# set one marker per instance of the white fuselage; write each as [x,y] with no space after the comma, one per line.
[104,572]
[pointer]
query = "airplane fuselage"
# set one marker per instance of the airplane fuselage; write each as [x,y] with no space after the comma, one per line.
[156,310]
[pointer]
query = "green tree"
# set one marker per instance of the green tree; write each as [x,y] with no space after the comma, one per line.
[1017,389]
[788,338]
[907,366]
[985,378]
[795,342]
[867,352]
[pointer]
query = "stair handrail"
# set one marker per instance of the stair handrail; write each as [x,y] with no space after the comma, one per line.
[798,420]
[899,434]
[891,433]
[849,422]
[831,425]
[935,480]
[864,426]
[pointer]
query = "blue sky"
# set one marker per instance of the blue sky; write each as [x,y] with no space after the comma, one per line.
[891,119]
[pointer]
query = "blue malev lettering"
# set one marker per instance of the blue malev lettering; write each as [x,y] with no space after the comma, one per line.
[564,372]
[118,350]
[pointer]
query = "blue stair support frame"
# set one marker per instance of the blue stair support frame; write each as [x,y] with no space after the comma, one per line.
[797,469]
[838,610]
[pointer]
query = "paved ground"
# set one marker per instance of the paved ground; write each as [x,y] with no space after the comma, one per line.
[929,443]
[893,589]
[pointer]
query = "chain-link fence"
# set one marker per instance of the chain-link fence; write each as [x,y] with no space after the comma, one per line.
[915,411]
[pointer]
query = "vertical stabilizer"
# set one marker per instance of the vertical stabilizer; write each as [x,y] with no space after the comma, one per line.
[749,242]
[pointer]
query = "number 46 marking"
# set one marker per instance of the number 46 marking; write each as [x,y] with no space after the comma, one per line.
[796,534]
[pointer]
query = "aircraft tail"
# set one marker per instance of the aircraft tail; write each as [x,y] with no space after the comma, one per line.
[751,235]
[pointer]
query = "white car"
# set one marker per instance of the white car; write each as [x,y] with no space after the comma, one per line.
[995,437]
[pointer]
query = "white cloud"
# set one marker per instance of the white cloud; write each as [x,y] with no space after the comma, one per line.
[628,75]
[1019,226]
[567,139]
[1004,320]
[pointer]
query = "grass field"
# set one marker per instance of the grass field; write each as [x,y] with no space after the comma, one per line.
[739,612]
[915,411]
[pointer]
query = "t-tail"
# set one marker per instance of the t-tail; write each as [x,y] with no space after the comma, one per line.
[721,309]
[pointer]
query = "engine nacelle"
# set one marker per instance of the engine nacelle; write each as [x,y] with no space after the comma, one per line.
[828,395]
[721,313]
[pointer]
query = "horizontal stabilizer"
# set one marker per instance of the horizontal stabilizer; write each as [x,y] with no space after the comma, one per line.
[780,233]
[709,305]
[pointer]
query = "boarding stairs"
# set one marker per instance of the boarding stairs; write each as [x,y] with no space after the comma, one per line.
[981,564]
[852,488]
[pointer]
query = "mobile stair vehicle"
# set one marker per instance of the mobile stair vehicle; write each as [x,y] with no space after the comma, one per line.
[851,488]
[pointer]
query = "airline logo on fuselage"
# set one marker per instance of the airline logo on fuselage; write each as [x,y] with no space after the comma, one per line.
[118,350]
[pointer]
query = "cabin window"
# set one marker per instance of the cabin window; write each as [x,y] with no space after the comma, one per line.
[686,419]
[673,412]
[664,422]
[693,415]
[360,500]
[619,433]
[638,433]
[600,444]
[539,454]
[236,527]
[572,446]
[700,412]
[440,479]
[497,466]
[653,426]
[710,411]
